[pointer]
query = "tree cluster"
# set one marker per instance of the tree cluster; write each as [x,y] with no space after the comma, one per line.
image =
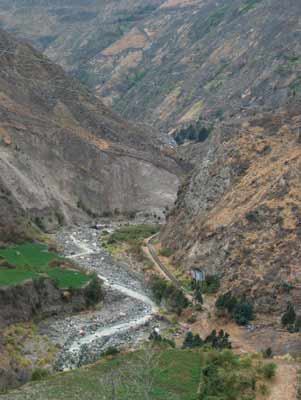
[166,292]
[220,340]
[240,309]
[197,133]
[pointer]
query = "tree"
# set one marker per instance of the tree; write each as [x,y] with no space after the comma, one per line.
[243,312]
[219,341]
[93,292]
[198,295]
[289,317]
[188,341]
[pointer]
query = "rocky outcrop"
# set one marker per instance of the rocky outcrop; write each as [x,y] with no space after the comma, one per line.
[38,298]
[168,62]
[238,215]
[19,305]
[64,155]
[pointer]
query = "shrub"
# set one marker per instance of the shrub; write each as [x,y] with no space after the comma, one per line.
[216,340]
[166,252]
[39,374]
[111,351]
[269,370]
[158,339]
[93,292]
[164,291]
[197,132]
[134,233]
[192,319]
[298,324]
[198,295]
[219,341]
[226,301]
[289,317]
[241,310]
[211,284]
[191,341]
[225,376]
[267,353]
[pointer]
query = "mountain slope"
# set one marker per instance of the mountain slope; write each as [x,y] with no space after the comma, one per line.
[170,62]
[239,213]
[63,154]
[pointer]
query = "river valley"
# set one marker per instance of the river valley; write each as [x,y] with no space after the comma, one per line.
[124,319]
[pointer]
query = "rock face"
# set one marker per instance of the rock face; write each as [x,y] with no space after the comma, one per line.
[39,298]
[239,213]
[168,62]
[63,154]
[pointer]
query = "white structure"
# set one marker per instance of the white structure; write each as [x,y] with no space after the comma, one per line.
[198,275]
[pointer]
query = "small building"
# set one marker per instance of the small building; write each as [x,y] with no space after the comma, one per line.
[198,275]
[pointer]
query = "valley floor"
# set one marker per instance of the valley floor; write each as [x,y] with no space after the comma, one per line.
[127,313]
[126,319]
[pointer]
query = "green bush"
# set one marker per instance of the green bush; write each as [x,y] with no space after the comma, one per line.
[198,296]
[210,285]
[196,132]
[173,297]
[289,317]
[220,340]
[225,376]
[192,319]
[39,374]
[267,353]
[93,292]
[158,339]
[269,370]
[241,310]
[166,252]
[191,341]
[111,351]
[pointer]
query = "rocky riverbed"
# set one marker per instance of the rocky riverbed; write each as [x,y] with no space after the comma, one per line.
[124,319]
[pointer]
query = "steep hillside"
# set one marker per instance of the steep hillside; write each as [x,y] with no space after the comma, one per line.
[63,154]
[239,213]
[168,62]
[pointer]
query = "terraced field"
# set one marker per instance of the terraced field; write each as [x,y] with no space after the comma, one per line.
[31,260]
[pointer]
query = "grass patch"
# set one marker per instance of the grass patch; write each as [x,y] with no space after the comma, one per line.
[129,239]
[9,277]
[176,374]
[68,278]
[166,252]
[33,259]
[175,377]
[133,233]
[33,255]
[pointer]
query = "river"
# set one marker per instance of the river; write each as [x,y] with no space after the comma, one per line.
[126,317]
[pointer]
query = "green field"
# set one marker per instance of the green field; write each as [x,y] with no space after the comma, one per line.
[176,378]
[133,233]
[33,255]
[167,374]
[31,260]
[10,277]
